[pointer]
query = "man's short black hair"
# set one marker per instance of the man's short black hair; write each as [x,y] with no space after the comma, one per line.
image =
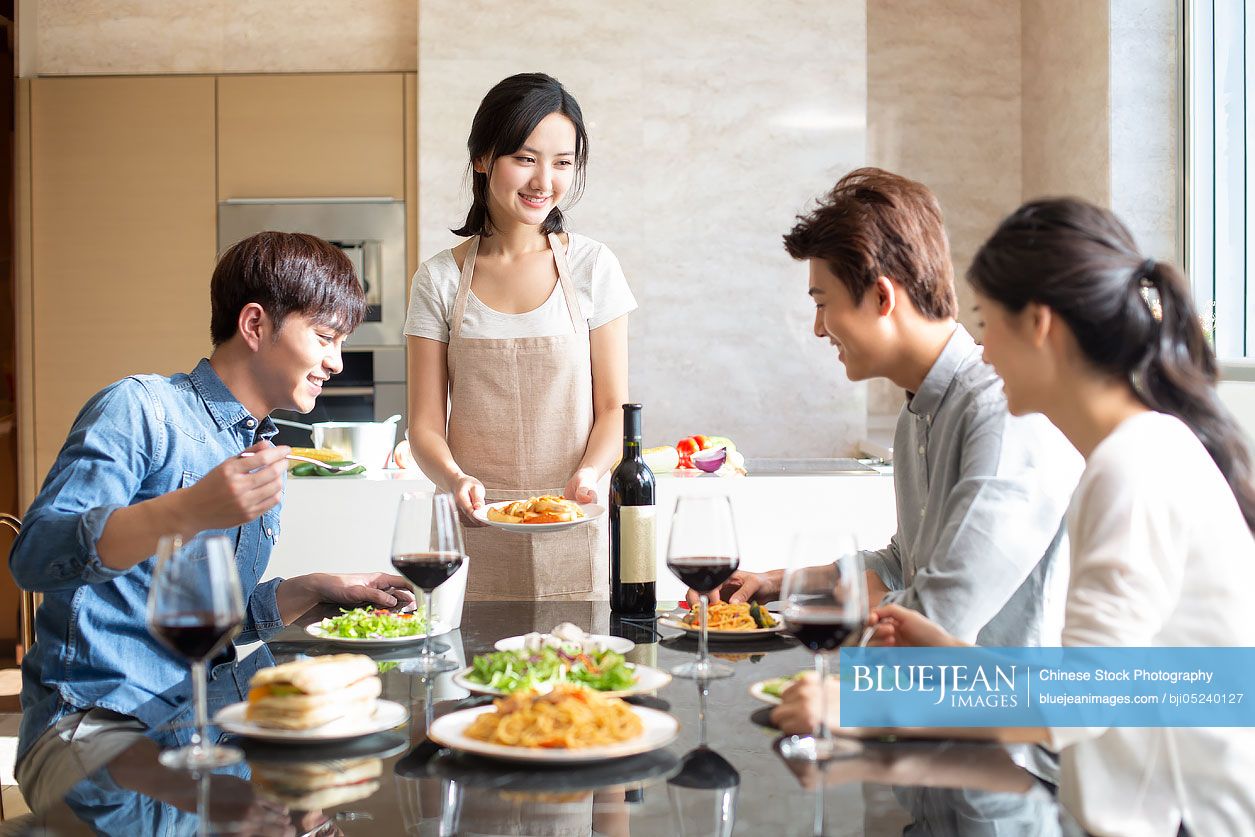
[285,273]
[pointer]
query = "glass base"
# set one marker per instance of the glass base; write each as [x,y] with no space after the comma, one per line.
[197,758]
[428,664]
[702,670]
[810,748]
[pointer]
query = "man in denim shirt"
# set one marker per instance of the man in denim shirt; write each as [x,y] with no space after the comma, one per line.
[151,456]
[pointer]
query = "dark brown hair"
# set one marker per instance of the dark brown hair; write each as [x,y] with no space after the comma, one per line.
[1132,316]
[875,223]
[285,273]
[508,114]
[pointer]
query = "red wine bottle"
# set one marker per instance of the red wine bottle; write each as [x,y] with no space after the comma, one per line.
[633,541]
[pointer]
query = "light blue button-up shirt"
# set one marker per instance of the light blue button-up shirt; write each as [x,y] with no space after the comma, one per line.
[981,498]
[137,439]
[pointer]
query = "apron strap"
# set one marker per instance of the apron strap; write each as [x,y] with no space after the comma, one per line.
[464,291]
[568,289]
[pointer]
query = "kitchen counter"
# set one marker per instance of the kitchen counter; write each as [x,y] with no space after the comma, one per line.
[344,524]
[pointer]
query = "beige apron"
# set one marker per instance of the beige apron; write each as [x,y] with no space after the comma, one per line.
[521,410]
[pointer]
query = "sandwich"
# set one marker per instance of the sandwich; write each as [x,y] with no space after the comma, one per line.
[316,785]
[309,693]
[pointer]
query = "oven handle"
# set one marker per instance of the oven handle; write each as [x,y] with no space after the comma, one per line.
[346,392]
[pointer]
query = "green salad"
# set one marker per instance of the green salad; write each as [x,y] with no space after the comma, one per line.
[510,671]
[372,623]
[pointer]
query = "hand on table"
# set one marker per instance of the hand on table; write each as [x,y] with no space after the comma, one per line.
[582,486]
[744,586]
[468,493]
[798,712]
[379,589]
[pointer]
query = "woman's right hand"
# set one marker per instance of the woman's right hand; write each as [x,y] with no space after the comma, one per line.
[744,586]
[897,625]
[468,493]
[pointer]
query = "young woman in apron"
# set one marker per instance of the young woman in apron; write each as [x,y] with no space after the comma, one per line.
[518,349]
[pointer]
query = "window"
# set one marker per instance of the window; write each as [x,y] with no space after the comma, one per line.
[1219,229]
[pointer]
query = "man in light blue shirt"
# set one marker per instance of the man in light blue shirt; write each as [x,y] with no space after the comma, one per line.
[150,456]
[980,494]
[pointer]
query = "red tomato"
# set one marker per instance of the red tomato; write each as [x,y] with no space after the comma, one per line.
[688,447]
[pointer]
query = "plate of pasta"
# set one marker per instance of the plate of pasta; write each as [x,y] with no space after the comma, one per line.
[728,621]
[566,725]
[547,513]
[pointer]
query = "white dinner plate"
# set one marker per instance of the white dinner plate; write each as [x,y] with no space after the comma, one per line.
[315,630]
[758,633]
[450,731]
[758,690]
[592,511]
[617,644]
[647,680]
[387,715]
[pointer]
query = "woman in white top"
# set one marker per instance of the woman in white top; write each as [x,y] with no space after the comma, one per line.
[517,343]
[1108,346]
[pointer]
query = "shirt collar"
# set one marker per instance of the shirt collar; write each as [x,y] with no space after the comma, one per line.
[225,408]
[937,382]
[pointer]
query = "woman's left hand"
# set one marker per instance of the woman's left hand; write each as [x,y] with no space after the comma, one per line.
[582,486]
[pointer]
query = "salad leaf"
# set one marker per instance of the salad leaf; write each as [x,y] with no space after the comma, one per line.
[372,623]
[511,671]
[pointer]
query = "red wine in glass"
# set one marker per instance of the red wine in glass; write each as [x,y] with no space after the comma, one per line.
[196,635]
[703,574]
[822,629]
[427,570]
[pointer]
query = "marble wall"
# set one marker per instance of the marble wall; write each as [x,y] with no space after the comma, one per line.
[89,37]
[1066,104]
[711,124]
[947,114]
[1146,123]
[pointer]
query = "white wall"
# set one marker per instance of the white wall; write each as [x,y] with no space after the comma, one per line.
[711,124]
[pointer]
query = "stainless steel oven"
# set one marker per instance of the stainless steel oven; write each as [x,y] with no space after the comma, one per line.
[371,232]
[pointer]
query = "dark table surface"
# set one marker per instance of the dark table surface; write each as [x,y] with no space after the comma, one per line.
[736,785]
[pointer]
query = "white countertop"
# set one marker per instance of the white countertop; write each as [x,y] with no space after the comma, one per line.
[344,524]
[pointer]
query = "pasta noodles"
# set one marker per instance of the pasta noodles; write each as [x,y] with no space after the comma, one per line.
[569,717]
[722,616]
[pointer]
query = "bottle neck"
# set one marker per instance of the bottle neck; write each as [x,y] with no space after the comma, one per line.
[631,447]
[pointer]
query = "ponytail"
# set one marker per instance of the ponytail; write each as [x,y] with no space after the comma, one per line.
[1177,375]
[1133,318]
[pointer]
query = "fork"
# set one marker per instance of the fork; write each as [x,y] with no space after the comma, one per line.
[298,458]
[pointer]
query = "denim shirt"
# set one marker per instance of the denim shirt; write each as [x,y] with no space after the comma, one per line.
[137,439]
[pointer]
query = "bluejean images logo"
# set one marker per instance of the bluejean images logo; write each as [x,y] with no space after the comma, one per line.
[1092,687]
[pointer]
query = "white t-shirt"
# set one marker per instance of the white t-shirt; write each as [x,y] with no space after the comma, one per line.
[1161,557]
[600,287]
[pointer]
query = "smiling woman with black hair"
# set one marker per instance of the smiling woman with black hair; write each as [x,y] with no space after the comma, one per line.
[518,347]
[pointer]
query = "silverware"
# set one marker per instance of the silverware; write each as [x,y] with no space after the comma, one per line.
[298,458]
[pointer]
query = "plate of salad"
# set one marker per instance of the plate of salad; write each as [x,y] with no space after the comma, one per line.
[367,626]
[607,672]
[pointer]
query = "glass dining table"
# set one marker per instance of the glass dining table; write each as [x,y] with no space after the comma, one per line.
[723,775]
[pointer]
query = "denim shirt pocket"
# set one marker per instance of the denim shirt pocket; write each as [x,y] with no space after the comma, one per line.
[190,478]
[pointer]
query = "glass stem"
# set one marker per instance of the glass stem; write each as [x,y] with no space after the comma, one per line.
[200,701]
[422,600]
[702,660]
[821,672]
[819,802]
[202,804]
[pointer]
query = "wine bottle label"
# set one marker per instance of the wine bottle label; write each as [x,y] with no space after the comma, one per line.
[638,544]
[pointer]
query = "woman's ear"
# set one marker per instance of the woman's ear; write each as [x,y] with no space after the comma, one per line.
[1041,322]
[253,325]
[480,166]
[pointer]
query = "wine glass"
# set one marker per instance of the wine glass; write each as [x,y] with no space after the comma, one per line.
[427,549]
[825,602]
[703,792]
[195,608]
[702,553]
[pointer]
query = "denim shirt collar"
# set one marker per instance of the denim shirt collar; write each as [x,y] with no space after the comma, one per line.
[937,382]
[226,409]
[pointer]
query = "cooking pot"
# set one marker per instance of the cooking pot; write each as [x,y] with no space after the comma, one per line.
[368,443]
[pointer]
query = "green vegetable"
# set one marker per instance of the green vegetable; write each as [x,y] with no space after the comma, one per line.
[370,623]
[387,666]
[776,686]
[762,618]
[511,671]
[309,469]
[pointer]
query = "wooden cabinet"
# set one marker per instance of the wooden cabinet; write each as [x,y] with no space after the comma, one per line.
[122,237]
[311,136]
